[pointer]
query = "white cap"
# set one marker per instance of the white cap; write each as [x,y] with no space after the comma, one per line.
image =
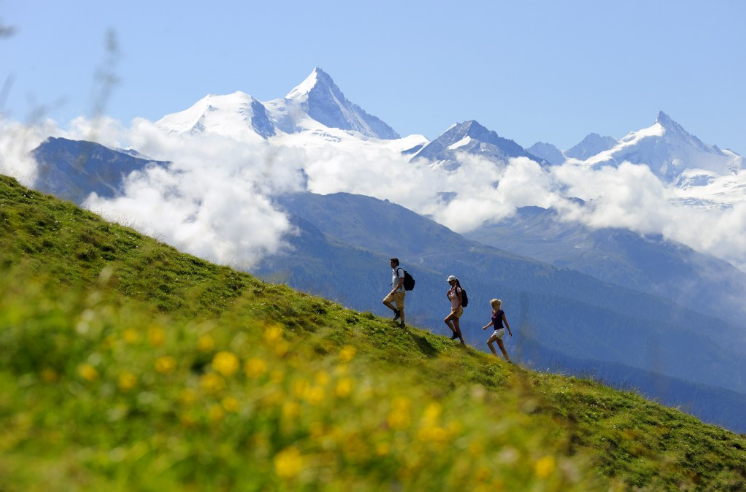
[451,277]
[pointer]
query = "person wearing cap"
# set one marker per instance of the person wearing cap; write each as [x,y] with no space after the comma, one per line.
[452,320]
[397,293]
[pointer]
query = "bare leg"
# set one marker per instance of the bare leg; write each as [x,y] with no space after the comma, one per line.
[458,330]
[389,305]
[492,347]
[502,349]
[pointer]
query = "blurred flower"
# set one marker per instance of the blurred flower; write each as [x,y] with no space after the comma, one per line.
[165,364]
[205,343]
[131,336]
[226,363]
[216,413]
[156,336]
[288,462]
[273,334]
[322,378]
[127,381]
[314,395]
[290,409]
[545,466]
[399,415]
[212,383]
[230,404]
[432,412]
[88,372]
[476,448]
[347,353]
[276,376]
[255,367]
[281,348]
[187,396]
[344,388]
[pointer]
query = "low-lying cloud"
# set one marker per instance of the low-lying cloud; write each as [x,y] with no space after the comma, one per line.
[215,199]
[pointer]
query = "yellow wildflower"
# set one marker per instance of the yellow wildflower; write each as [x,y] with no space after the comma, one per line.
[344,388]
[127,381]
[383,448]
[165,364]
[156,336]
[212,383]
[432,412]
[225,363]
[131,336]
[205,343]
[255,367]
[273,334]
[322,378]
[216,413]
[290,409]
[187,396]
[288,462]
[88,372]
[347,353]
[476,448]
[399,416]
[281,348]
[545,466]
[230,404]
[314,395]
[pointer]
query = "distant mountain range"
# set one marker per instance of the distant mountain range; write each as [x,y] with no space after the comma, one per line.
[610,297]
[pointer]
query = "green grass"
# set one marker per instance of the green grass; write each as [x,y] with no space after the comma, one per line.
[127,365]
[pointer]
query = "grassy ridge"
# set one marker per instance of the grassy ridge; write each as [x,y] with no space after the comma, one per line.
[127,365]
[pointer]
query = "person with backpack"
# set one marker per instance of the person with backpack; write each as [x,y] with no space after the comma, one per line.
[396,296]
[498,317]
[456,296]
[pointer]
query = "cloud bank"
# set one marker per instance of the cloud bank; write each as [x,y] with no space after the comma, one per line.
[215,199]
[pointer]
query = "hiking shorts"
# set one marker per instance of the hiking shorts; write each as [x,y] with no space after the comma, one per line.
[458,312]
[397,298]
[498,334]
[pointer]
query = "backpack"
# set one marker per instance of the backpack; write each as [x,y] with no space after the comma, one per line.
[408,280]
[464,299]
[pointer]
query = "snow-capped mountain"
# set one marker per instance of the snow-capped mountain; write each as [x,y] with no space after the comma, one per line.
[472,138]
[548,152]
[669,150]
[317,103]
[591,145]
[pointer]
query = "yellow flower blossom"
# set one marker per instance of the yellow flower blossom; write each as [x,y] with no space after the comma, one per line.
[156,336]
[226,363]
[290,409]
[165,364]
[322,378]
[205,343]
[131,336]
[255,367]
[230,404]
[432,412]
[314,395]
[281,348]
[476,448]
[212,383]
[545,466]
[187,396]
[383,448]
[127,381]
[276,376]
[399,415]
[347,353]
[273,334]
[216,413]
[88,372]
[288,462]
[299,387]
[344,388]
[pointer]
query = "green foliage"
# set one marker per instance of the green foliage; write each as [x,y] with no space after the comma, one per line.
[127,365]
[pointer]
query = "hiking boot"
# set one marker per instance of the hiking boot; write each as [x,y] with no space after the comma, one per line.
[454,336]
[397,313]
[403,326]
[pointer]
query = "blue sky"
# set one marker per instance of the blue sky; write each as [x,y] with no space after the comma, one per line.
[530,70]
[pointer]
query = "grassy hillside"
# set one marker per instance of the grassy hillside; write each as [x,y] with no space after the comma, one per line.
[126,365]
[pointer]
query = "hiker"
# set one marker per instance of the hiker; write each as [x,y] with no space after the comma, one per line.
[498,317]
[455,296]
[397,292]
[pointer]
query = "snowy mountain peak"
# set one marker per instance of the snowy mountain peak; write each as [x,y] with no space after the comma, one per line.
[320,98]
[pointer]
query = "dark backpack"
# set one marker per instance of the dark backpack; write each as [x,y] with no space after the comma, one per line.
[464,298]
[408,280]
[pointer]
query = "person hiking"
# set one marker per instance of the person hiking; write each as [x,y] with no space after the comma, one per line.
[498,317]
[397,293]
[452,320]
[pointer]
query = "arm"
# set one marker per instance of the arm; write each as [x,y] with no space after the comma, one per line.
[487,325]
[399,283]
[505,320]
